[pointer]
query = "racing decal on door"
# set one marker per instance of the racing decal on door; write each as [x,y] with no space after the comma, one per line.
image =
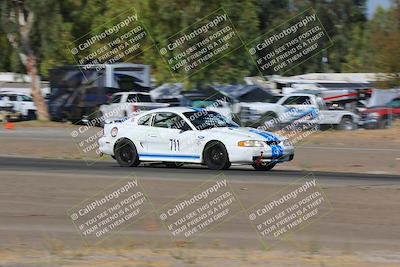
[174,144]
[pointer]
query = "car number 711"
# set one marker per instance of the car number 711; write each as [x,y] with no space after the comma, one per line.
[174,144]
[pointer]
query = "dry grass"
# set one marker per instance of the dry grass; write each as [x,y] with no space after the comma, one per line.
[189,257]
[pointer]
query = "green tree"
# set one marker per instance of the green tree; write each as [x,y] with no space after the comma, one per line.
[385,46]
[34,29]
[166,18]
[375,47]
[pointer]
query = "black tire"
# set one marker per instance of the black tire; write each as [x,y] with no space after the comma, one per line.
[346,124]
[383,123]
[173,164]
[31,115]
[126,154]
[266,166]
[216,157]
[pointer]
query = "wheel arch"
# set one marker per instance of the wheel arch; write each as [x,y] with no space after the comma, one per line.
[348,116]
[209,142]
[339,119]
[121,139]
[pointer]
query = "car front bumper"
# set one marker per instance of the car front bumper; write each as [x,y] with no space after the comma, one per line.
[248,155]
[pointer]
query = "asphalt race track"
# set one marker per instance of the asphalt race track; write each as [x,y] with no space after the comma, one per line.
[37,193]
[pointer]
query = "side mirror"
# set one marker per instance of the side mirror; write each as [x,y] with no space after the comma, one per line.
[184,130]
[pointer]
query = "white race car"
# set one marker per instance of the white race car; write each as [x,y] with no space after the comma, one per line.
[178,135]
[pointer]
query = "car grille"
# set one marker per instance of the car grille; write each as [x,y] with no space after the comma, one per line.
[272,143]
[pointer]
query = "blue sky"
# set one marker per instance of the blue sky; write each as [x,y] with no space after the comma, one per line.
[373,4]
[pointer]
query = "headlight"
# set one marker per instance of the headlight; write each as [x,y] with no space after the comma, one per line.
[286,142]
[251,143]
[373,115]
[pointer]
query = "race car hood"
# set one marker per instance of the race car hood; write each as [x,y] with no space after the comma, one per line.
[243,133]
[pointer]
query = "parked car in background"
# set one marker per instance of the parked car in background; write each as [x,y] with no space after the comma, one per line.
[128,104]
[19,103]
[380,117]
[251,105]
[209,101]
[254,114]
[303,104]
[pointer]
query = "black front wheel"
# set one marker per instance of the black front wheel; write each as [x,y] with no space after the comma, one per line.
[173,164]
[264,166]
[126,154]
[216,157]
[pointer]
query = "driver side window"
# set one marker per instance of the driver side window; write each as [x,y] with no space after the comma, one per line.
[297,100]
[170,121]
[116,99]
[145,120]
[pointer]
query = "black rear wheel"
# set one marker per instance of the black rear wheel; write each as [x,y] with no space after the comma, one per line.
[126,154]
[216,157]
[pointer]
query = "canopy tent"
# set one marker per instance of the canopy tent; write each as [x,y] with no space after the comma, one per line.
[381,97]
[167,91]
[245,93]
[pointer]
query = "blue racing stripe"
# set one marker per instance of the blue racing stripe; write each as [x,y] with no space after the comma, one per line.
[197,109]
[280,154]
[277,151]
[169,156]
[268,136]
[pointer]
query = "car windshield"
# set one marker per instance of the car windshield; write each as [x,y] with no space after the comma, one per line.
[139,98]
[203,119]
[26,98]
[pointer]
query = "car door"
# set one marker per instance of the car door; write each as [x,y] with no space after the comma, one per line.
[24,104]
[301,107]
[171,139]
[141,132]
[13,100]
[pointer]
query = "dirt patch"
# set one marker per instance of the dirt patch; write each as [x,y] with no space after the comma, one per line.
[40,124]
